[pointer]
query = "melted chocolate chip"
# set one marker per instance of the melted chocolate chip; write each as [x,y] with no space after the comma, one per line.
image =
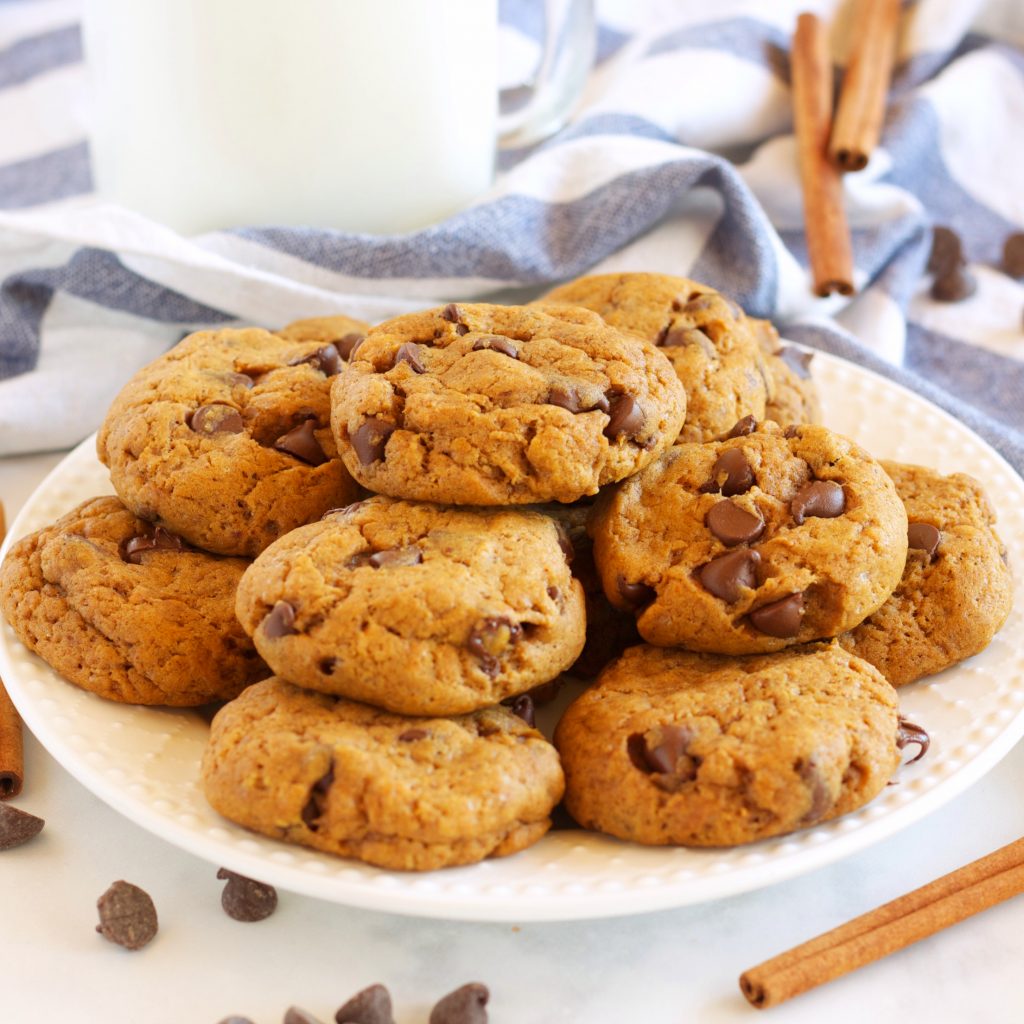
[348,343]
[409,555]
[743,427]
[451,313]
[636,595]
[280,622]
[814,779]
[731,474]
[371,438]
[301,443]
[780,618]
[625,417]
[820,499]
[412,734]
[797,360]
[371,1006]
[409,353]
[908,733]
[326,359]
[663,752]
[316,802]
[946,252]
[463,1006]
[17,827]
[245,899]
[131,549]
[494,343]
[127,915]
[215,419]
[924,537]
[522,707]
[491,639]
[238,380]
[327,666]
[681,336]
[728,575]
[565,398]
[733,525]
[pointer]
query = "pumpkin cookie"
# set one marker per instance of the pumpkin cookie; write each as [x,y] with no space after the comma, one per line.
[404,793]
[475,404]
[128,611]
[342,332]
[792,396]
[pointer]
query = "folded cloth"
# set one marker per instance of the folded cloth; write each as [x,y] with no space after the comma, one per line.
[679,159]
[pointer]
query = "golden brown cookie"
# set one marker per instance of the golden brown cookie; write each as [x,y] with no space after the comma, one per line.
[475,404]
[342,332]
[700,750]
[128,611]
[405,793]
[704,334]
[956,589]
[754,543]
[225,440]
[416,608]
[792,396]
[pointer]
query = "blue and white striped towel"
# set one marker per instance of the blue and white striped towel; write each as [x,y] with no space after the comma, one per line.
[680,158]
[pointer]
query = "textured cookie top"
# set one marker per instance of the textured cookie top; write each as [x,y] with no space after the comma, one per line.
[792,396]
[675,747]
[225,440]
[490,405]
[342,332]
[410,793]
[704,334]
[417,608]
[956,589]
[753,543]
[127,610]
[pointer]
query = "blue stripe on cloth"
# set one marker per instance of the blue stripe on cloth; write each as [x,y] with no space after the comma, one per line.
[34,55]
[747,38]
[42,179]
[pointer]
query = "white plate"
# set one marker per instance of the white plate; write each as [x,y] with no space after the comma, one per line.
[144,762]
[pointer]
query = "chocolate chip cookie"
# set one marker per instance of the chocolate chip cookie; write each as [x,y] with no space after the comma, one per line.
[225,440]
[415,608]
[476,404]
[127,610]
[704,334]
[342,332]
[792,396]
[747,545]
[672,747]
[405,793]
[956,589]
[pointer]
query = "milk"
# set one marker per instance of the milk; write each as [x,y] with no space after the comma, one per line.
[364,115]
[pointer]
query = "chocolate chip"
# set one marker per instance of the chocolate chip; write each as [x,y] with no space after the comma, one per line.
[731,474]
[813,777]
[909,733]
[131,549]
[280,622]
[663,751]
[696,303]
[780,618]
[680,336]
[946,252]
[296,1015]
[636,595]
[326,359]
[733,525]
[301,443]
[410,353]
[797,360]
[409,555]
[215,419]
[235,1019]
[127,915]
[238,380]
[316,802]
[327,666]
[1013,255]
[245,899]
[565,541]
[371,438]
[624,417]
[17,827]
[491,639]
[565,398]
[820,499]
[522,707]
[726,576]
[451,313]
[371,1006]
[494,343]
[923,537]
[412,734]
[954,285]
[463,1006]
[348,343]
[743,427]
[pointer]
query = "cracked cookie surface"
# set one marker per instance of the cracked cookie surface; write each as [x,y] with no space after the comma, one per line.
[417,608]
[751,544]
[226,441]
[128,612]
[671,747]
[398,792]
[477,404]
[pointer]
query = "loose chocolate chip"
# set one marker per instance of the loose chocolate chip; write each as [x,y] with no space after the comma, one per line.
[491,639]
[947,250]
[317,799]
[215,419]
[410,353]
[296,1015]
[131,549]
[326,359]
[301,443]
[466,1005]
[909,733]
[371,438]
[348,343]
[245,899]
[127,915]
[522,707]
[780,618]
[636,595]
[955,285]
[733,525]
[280,621]
[923,537]
[451,313]
[797,360]
[743,427]
[17,827]
[820,499]
[728,575]
[625,417]
[1013,255]
[494,343]
[813,777]
[731,474]
[371,1006]
[681,336]
[409,555]
[412,734]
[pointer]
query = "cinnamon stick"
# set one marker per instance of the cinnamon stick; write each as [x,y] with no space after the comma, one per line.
[861,109]
[828,235]
[12,757]
[954,897]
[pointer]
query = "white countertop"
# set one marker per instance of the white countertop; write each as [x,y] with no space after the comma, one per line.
[665,968]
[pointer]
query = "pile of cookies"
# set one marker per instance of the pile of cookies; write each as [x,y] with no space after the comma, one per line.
[384,546]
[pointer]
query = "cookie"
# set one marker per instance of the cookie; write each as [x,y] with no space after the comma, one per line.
[704,334]
[342,332]
[128,611]
[754,543]
[225,440]
[415,608]
[792,396]
[672,747]
[956,589]
[405,793]
[476,404]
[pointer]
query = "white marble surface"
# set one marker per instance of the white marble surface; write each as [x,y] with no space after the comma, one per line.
[665,968]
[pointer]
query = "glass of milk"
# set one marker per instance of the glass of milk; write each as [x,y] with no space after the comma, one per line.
[375,116]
